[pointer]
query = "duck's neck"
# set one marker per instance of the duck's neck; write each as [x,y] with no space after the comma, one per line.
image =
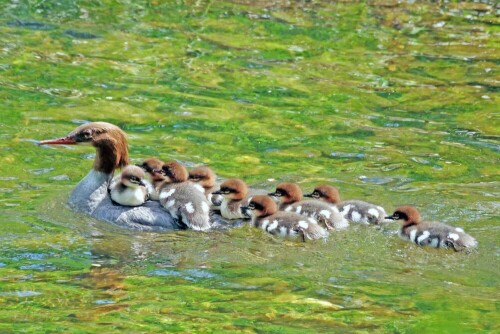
[90,192]
[110,155]
[93,189]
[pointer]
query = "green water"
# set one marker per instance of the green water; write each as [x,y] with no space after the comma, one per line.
[393,103]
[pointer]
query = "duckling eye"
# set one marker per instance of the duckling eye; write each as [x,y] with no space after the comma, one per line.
[251,206]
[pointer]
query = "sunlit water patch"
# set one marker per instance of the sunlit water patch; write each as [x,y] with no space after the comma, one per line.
[392,102]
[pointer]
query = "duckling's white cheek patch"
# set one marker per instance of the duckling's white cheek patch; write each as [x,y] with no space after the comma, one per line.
[453,236]
[165,195]
[283,231]
[189,207]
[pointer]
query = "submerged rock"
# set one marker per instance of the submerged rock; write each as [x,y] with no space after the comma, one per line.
[34,25]
[80,34]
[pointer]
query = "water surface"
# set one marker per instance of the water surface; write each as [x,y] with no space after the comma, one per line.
[391,102]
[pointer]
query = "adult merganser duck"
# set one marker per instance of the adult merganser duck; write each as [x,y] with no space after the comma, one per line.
[152,167]
[432,234]
[265,215]
[184,200]
[355,211]
[290,199]
[129,188]
[236,194]
[206,177]
[91,195]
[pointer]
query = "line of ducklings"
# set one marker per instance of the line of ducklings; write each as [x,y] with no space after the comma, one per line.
[190,196]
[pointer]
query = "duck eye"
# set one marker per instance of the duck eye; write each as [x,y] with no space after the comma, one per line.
[87,134]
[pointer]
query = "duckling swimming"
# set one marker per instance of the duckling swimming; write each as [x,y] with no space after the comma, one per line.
[432,234]
[355,211]
[290,198]
[265,215]
[236,194]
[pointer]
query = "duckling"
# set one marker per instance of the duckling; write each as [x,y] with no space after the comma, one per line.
[129,188]
[432,234]
[236,194]
[152,167]
[184,200]
[355,211]
[290,198]
[265,215]
[205,177]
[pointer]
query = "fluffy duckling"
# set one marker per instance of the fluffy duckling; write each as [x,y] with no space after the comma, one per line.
[355,211]
[432,234]
[290,199]
[152,167]
[129,188]
[265,215]
[184,200]
[236,194]
[205,177]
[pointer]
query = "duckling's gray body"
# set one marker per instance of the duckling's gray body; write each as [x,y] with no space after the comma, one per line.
[357,211]
[437,235]
[187,203]
[290,224]
[320,211]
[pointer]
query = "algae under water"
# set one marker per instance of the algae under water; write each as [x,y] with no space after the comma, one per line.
[392,102]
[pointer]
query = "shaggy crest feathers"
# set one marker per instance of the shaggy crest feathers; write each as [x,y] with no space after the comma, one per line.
[203,175]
